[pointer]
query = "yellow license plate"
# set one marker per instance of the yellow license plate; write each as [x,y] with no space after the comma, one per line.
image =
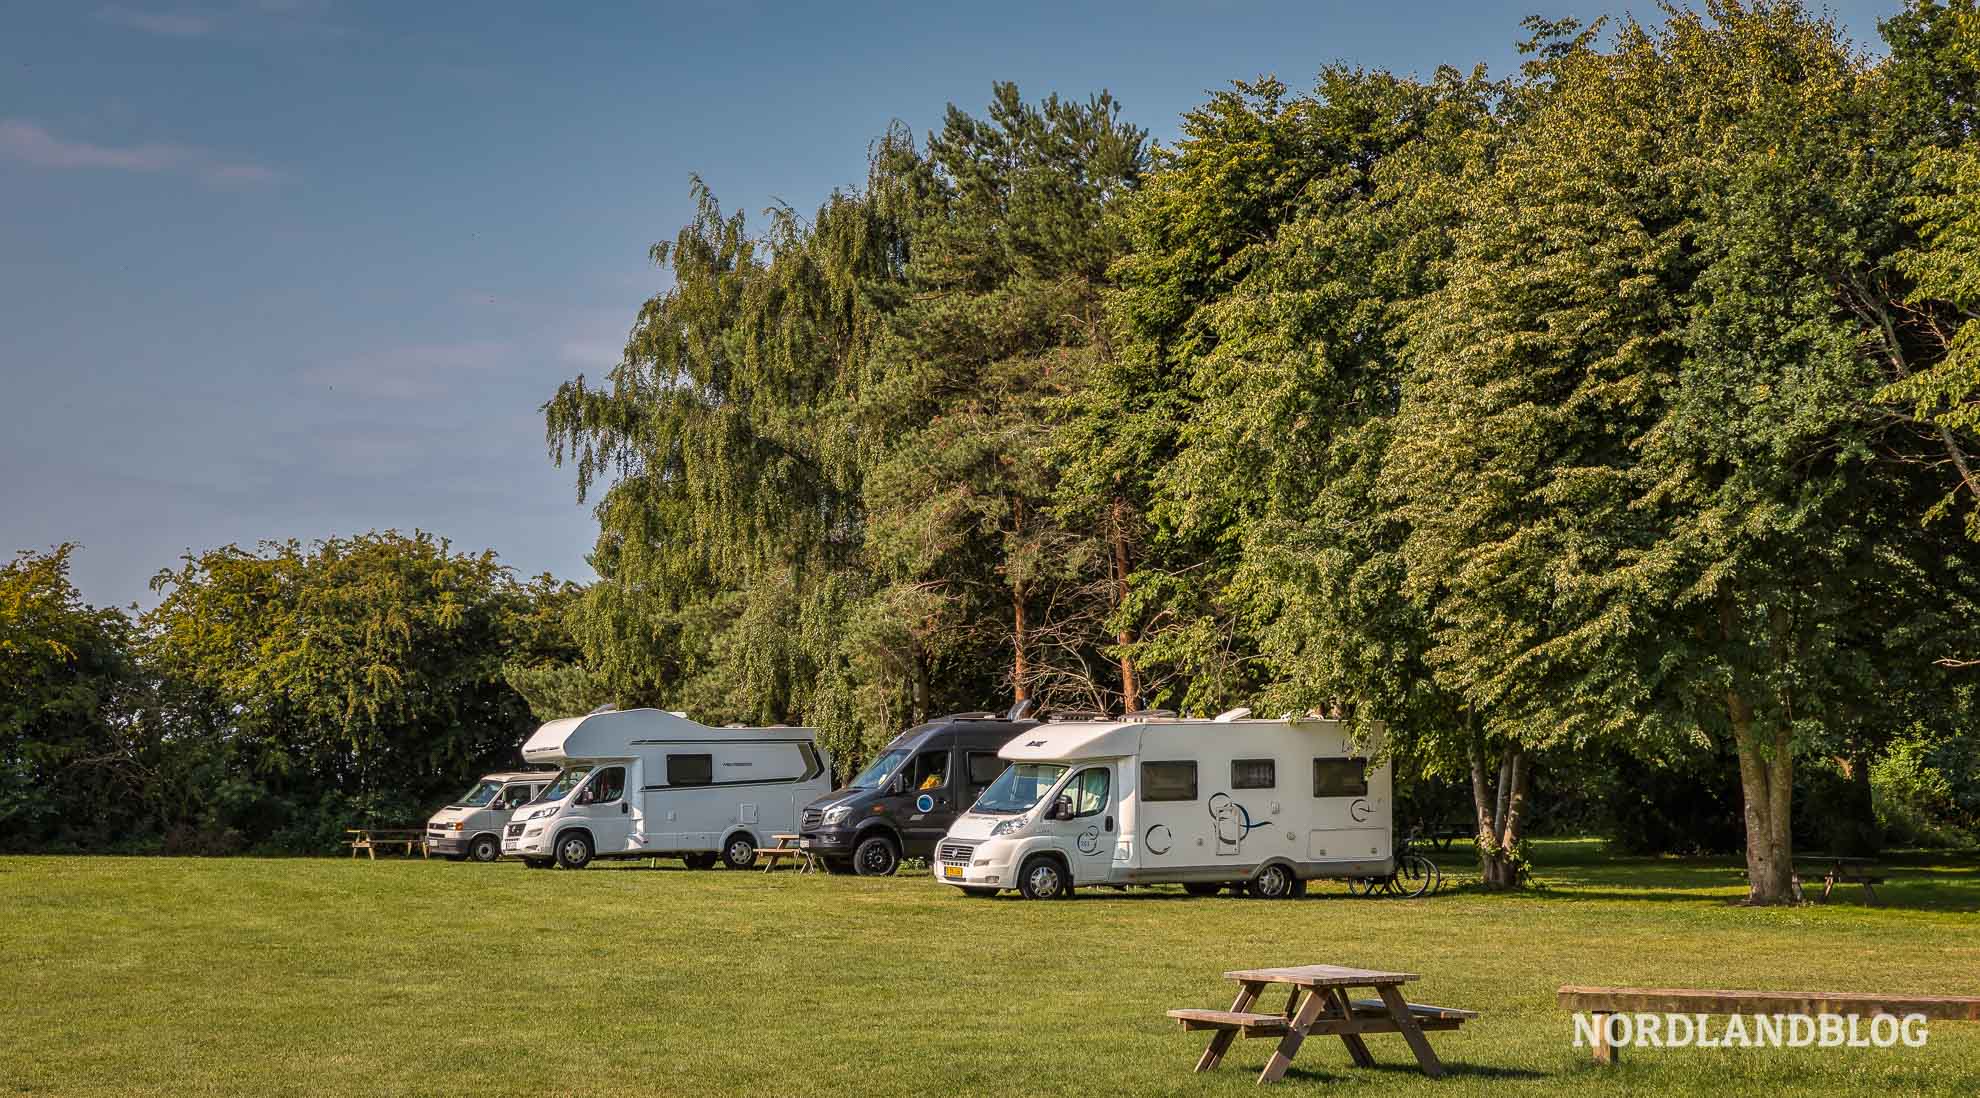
[952,871]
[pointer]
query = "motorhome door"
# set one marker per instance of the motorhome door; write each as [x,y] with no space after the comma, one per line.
[605,809]
[1083,819]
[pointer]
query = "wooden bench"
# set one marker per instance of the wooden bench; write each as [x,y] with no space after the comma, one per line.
[1318,1005]
[370,840]
[1604,1001]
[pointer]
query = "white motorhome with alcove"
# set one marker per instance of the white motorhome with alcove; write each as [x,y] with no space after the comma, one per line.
[644,782]
[1265,805]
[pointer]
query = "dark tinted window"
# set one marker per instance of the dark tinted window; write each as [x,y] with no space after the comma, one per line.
[1340,777]
[1168,781]
[983,769]
[1254,773]
[690,769]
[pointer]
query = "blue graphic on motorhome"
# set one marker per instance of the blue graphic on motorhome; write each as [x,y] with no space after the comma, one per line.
[1233,822]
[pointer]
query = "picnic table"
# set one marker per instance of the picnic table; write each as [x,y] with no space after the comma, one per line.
[370,839]
[1318,1004]
[1834,870]
[804,861]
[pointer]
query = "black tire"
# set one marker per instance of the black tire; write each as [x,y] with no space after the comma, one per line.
[1415,876]
[1044,878]
[980,893]
[1274,882]
[876,856]
[739,851]
[537,863]
[574,850]
[1203,888]
[485,848]
[698,861]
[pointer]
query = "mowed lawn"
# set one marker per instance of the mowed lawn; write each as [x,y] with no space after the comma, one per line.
[260,977]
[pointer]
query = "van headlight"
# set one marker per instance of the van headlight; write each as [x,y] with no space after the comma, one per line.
[1008,827]
[542,812]
[839,815]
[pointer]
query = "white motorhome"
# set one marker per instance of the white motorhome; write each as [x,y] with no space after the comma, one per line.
[1205,803]
[472,826]
[642,782]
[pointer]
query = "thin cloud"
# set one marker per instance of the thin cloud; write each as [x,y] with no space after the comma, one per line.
[170,24]
[31,144]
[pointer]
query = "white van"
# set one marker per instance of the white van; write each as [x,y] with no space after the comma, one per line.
[472,826]
[1265,804]
[643,782]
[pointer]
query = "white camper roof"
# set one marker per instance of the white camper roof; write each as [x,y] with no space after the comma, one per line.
[619,733]
[1077,740]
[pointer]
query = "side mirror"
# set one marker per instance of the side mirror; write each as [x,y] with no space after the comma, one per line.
[897,787]
[1063,809]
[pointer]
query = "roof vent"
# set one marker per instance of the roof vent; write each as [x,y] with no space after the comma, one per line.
[1072,715]
[1238,714]
[1148,714]
[1025,707]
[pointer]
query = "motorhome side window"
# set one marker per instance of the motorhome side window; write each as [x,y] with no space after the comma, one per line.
[1168,781]
[931,770]
[984,766]
[1340,777]
[607,787]
[1254,774]
[1089,792]
[690,769]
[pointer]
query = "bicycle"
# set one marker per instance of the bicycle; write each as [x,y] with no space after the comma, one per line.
[1414,875]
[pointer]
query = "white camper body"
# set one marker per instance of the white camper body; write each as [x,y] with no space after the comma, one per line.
[1204,803]
[642,782]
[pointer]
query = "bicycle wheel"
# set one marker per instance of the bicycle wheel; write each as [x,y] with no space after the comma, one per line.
[1365,886]
[1415,875]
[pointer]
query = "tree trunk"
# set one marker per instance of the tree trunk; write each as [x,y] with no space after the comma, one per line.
[1501,809]
[1766,783]
[1018,671]
[1130,691]
[920,672]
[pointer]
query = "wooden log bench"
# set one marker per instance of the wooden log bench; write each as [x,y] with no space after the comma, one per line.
[1604,1001]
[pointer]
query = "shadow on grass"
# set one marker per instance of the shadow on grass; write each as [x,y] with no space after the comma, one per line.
[1387,1070]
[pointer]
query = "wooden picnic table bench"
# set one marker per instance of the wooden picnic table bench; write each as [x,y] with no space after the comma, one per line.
[1319,1004]
[370,839]
[804,861]
[1833,871]
[1604,1001]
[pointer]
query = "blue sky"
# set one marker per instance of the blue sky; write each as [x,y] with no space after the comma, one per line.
[297,268]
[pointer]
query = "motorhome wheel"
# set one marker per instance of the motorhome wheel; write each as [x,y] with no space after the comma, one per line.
[574,850]
[1274,882]
[876,857]
[1042,878]
[739,852]
[485,849]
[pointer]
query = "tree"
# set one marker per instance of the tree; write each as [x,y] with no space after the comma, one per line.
[64,667]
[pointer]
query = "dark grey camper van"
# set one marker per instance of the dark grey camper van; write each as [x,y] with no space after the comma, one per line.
[902,804]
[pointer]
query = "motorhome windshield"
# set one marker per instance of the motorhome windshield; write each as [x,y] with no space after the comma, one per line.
[567,780]
[1018,788]
[478,797]
[877,771]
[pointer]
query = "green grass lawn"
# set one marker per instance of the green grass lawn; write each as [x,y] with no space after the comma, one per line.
[259,977]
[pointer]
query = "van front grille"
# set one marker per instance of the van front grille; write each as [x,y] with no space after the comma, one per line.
[515,831]
[810,820]
[955,853]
